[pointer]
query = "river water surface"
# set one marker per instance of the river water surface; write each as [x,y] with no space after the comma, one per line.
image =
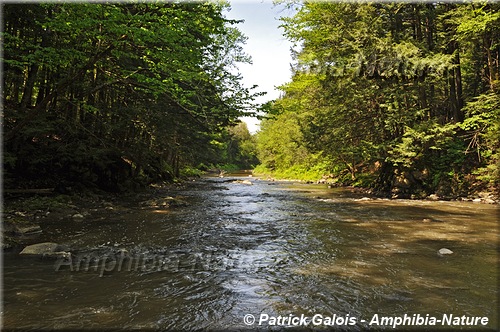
[271,248]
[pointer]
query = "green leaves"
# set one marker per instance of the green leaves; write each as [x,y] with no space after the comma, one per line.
[416,142]
[391,88]
[149,82]
[474,19]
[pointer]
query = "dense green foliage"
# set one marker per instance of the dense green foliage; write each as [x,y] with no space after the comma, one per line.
[400,96]
[115,95]
[240,147]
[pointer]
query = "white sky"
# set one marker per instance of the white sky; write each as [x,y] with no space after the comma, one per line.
[270,51]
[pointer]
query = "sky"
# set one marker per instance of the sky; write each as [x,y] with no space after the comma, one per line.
[267,46]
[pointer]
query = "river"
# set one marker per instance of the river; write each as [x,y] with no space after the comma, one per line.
[267,249]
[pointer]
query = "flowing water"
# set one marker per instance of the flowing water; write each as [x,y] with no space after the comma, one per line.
[271,248]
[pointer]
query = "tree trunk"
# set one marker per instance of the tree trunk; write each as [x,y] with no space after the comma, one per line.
[459,116]
[429,26]
[28,86]
[491,70]
[455,84]
[417,23]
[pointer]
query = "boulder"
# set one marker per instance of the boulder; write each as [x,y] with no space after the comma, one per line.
[433,197]
[40,249]
[444,251]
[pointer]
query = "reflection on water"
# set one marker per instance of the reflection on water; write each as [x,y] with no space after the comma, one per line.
[274,248]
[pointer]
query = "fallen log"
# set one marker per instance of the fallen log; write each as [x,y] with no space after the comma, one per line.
[44,191]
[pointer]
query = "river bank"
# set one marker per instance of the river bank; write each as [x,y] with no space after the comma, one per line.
[401,189]
[23,215]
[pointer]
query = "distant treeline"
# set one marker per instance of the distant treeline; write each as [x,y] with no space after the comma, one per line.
[402,97]
[117,95]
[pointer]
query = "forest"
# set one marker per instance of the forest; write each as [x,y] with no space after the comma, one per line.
[402,98]
[119,95]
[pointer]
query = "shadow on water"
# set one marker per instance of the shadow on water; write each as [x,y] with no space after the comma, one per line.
[277,248]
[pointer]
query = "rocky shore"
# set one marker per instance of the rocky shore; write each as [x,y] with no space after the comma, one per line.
[479,196]
[23,216]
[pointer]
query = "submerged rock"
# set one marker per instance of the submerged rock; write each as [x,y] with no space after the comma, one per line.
[165,203]
[248,182]
[444,251]
[57,254]
[176,202]
[431,220]
[27,229]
